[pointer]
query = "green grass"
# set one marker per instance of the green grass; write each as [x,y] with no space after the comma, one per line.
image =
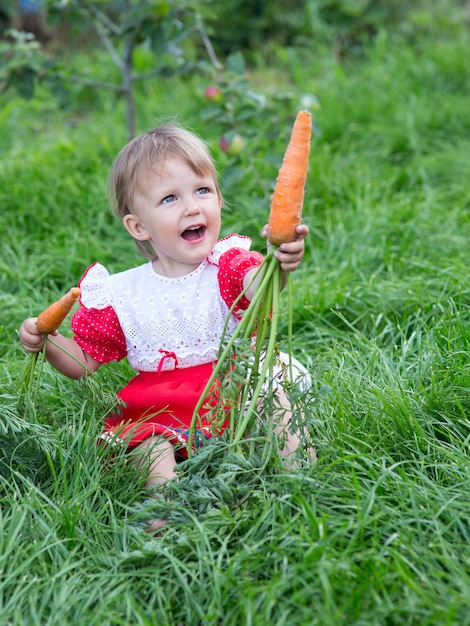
[377,531]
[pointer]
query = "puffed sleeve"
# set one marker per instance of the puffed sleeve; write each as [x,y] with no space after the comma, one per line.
[233,267]
[95,325]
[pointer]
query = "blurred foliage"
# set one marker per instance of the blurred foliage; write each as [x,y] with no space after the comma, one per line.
[152,38]
[236,105]
[343,25]
[249,23]
[22,62]
[162,26]
[161,38]
[350,24]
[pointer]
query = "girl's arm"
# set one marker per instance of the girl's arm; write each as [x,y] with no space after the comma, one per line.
[289,256]
[63,353]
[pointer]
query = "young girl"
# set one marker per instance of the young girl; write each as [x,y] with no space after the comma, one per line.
[166,316]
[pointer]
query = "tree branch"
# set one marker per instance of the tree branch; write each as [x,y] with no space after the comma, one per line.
[208,46]
[78,80]
[100,16]
[100,22]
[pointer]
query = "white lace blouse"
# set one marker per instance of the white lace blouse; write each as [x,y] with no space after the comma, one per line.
[161,323]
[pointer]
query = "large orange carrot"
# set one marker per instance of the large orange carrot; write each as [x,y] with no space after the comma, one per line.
[52,317]
[286,204]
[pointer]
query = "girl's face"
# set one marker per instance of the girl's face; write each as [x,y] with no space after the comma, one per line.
[179,213]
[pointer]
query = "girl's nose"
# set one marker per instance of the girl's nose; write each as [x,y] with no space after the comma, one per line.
[192,208]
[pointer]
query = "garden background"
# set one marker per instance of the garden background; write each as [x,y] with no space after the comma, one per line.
[377,530]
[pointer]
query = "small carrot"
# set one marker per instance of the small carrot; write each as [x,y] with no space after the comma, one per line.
[287,200]
[51,318]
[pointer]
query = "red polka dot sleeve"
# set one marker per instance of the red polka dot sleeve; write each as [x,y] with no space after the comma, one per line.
[98,332]
[233,267]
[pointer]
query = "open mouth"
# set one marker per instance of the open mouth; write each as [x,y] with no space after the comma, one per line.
[194,233]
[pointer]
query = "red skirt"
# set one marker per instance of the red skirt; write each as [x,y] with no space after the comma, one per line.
[163,403]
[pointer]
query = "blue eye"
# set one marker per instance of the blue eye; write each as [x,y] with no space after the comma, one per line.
[170,198]
[202,190]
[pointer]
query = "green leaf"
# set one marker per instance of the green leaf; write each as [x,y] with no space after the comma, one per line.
[236,63]
[22,80]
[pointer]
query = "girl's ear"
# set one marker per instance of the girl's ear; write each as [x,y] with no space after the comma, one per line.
[135,227]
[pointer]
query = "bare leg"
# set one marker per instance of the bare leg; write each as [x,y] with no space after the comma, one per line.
[291,440]
[156,454]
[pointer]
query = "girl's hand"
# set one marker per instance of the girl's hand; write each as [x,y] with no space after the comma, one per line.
[31,339]
[290,254]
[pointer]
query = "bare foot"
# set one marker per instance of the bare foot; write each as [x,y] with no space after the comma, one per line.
[155,525]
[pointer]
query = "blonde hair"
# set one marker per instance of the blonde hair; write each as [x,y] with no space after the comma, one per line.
[148,152]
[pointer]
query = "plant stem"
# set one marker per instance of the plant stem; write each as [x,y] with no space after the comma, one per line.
[268,358]
[261,317]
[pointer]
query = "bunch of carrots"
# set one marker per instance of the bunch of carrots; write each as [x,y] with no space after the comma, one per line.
[247,355]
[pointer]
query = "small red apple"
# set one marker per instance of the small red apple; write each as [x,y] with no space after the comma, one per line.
[213,93]
[224,143]
[232,144]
